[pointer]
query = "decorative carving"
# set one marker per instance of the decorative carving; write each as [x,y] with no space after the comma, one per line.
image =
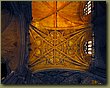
[57,40]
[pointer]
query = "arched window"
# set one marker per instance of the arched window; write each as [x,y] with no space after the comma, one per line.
[89,47]
[88,8]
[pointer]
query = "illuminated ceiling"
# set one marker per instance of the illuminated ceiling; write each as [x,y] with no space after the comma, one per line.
[58,33]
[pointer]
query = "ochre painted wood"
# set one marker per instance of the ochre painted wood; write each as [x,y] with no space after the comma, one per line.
[57,35]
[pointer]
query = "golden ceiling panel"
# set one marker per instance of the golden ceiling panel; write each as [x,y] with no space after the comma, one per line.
[57,35]
[57,14]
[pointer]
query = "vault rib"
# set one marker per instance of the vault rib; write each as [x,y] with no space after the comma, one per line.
[53,12]
[70,58]
[69,38]
[34,63]
[39,33]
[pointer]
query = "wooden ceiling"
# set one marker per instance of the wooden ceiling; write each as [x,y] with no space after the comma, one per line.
[58,32]
[59,14]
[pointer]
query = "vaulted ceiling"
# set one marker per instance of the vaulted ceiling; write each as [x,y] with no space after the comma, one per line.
[59,14]
[58,32]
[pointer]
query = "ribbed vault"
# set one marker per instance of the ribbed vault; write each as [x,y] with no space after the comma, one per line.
[58,33]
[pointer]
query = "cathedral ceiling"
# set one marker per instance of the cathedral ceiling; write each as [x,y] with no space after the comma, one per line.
[58,33]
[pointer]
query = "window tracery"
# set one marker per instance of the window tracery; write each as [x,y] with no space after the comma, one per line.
[88,8]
